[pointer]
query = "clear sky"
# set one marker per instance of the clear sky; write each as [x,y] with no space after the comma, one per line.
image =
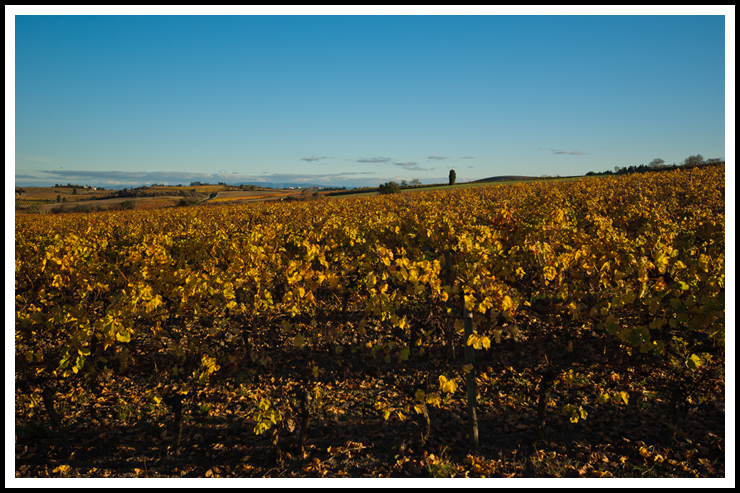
[360,100]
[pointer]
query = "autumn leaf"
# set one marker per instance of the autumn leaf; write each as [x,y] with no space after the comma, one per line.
[694,362]
[445,385]
[433,399]
[123,336]
[479,341]
[507,304]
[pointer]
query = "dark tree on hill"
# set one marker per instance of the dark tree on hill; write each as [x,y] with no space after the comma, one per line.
[693,160]
[453,177]
[389,187]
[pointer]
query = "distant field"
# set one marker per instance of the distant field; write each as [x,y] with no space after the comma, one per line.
[447,187]
[249,195]
[50,193]
[493,182]
[197,188]
[413,190]
[423,189]
[141,202]
[46,197]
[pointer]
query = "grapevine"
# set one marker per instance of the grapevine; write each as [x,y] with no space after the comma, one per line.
[195,296]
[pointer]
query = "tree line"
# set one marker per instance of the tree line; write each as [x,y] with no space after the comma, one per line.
[659,165]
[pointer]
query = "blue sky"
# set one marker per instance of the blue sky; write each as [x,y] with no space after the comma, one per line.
[360,100]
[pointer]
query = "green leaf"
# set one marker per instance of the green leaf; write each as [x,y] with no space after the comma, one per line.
[611,324]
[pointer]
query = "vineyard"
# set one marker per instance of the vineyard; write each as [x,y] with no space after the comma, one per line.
[539,329]
[24,202]
[229,196]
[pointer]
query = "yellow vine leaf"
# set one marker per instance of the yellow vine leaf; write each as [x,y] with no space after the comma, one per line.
[448,386]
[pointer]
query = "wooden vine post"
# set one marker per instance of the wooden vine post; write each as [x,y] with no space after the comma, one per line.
[450,330]
[175,402]
[305,417]
[471,383]
[546,384]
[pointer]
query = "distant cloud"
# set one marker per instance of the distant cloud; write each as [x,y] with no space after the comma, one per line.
[313,159]
[438,158]
[139,178]
[410,166]
[574,153]
[468,157]
[375,160]
[121,175]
